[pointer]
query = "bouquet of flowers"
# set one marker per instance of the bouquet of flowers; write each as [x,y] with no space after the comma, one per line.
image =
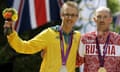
[10,14]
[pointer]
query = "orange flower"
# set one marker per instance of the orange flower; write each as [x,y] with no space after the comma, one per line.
[10,13]
[7,15]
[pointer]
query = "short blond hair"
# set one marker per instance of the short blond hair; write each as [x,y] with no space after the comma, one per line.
[69,3]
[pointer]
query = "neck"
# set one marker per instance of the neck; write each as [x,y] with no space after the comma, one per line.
[102,33]
[66,29]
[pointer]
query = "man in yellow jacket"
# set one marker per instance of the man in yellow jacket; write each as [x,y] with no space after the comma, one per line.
[59,43]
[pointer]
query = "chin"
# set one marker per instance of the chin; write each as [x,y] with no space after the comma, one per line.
[105,30]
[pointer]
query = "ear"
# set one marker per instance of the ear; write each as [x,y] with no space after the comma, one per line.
[94,19]
[110,20]
[61,15]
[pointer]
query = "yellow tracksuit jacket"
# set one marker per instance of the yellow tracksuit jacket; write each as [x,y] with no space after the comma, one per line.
[49,41]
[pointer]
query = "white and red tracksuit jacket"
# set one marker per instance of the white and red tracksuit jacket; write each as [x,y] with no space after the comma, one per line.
[88,51]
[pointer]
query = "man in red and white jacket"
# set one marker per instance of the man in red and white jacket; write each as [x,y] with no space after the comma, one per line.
[100,49]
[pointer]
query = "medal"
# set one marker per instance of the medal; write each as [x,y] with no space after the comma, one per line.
[63,68]
[102,69]
[64,56]
[101,58]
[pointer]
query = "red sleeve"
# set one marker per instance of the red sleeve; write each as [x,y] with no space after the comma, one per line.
[79,60]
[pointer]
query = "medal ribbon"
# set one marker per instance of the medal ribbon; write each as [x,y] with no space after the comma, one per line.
[101,58]
[64,57]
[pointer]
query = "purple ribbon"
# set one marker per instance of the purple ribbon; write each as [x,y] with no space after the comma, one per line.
[64,57]
[101,58]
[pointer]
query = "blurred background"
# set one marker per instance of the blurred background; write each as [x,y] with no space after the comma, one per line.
[35,16]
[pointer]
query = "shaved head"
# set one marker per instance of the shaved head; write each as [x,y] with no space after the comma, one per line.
[106,9]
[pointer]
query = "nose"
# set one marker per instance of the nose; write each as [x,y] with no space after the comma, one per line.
[70,17]
[102,19]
